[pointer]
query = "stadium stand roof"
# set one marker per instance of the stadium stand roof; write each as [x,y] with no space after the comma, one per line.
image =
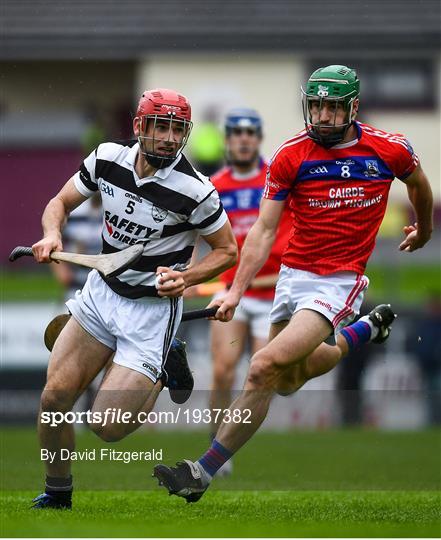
[129,29]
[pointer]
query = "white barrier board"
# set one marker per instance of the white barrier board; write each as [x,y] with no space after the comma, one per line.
[22,327]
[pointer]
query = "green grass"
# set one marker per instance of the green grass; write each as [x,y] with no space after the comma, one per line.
[229,514]
[406,284]
[26,286]
[295,460]
[299,483]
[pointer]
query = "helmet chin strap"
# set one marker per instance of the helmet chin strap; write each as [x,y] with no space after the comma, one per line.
[158,162]
[333,138]
[155,161]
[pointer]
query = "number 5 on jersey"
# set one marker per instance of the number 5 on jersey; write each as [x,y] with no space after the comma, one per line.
[130,207]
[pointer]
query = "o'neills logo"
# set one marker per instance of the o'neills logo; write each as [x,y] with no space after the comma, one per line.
[151,369]
[324,304]
[270,183]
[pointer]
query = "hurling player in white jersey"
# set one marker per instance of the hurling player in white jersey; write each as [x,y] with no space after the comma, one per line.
[150,193]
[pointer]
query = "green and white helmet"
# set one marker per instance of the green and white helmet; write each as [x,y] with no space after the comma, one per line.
[335,83]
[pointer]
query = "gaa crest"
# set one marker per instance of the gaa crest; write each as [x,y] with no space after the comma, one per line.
[323,91]
[159,214]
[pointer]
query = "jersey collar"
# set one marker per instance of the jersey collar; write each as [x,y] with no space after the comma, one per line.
[250,174]
[350,143]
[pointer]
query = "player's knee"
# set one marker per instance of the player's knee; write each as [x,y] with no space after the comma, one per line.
[223,376]
[56,400]
[108,433]
[263,371]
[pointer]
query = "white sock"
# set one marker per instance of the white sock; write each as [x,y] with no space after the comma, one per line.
[205,477]
[374,329]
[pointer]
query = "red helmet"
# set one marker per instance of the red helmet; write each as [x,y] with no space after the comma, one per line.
[158,105]
[164,102]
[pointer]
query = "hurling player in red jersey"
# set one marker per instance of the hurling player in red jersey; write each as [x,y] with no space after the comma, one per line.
[240,186]
[337,173]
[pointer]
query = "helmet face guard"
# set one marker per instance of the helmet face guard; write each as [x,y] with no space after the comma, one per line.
[239,120]
[314,129]
[164,126]
[330,87]
[160,152]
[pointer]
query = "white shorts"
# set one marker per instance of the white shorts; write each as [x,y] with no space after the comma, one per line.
[338,297]
[255,312]
[140,331]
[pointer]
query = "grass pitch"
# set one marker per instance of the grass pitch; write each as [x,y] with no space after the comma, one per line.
[333,483]
[229,514]
[18,285]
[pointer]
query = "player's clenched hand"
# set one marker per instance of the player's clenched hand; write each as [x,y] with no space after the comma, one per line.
[226,306]
[45,246]
[414,239]
[169,282]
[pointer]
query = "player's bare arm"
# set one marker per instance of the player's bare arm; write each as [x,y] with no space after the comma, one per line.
[222,256]
[254,253]
[54,219]
[263,282]
[420,195]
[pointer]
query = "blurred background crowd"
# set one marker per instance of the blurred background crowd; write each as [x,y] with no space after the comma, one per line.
[71,77]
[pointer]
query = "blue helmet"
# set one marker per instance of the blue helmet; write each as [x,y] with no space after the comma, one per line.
[242,117]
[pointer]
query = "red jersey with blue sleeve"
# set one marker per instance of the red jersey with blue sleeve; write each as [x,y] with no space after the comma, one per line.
[240,196]
[338,196]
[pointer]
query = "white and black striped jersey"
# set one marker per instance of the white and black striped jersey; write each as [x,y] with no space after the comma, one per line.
[166,211]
